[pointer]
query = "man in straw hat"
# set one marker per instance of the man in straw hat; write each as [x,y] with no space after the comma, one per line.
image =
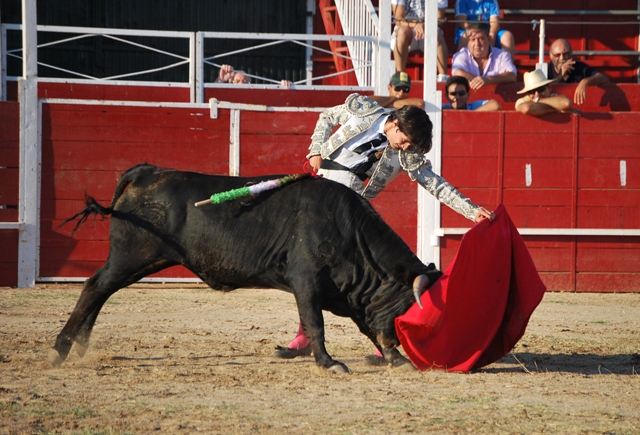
[538,100]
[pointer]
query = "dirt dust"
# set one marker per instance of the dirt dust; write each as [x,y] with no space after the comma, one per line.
[168,358]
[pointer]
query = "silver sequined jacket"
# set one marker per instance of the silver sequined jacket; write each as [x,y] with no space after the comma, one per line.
[357,115]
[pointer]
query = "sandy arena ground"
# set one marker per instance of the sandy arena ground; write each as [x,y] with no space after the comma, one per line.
[183,359]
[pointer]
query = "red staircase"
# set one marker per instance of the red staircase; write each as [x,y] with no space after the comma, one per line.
[332,26]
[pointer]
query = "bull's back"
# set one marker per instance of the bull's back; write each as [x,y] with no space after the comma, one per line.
[250,241]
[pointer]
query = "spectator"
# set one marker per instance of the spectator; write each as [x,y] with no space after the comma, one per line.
[480,63]
[457,89]
[399,87]
[565,69]
[538,100]
[239,77]
[229,75]
[482,10]
[408,33]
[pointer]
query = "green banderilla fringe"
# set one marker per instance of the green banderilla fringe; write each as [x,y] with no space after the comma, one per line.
[230,195]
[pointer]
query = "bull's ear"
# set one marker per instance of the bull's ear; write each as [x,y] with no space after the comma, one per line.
[401,273]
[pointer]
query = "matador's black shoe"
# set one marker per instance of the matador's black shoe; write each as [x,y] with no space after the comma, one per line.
[287,353]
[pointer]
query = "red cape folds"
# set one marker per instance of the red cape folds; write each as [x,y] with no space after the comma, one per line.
[479,309]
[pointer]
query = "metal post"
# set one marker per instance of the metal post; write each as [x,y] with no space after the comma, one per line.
[30,170]
[234,143]
[382,71]
[311,10]
[3,61]
[428,206]
[196,67]
[541,65]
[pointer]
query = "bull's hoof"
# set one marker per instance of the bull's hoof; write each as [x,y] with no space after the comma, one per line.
[287,353]
[54,358]
[80,349]
[339,368]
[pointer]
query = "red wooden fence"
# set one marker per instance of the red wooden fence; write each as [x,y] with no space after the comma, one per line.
[575,178]
[9,164]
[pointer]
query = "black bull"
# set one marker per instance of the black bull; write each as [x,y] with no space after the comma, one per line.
[314,238]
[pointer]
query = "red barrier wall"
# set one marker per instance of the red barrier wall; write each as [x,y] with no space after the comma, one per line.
[9,165]
[575,182]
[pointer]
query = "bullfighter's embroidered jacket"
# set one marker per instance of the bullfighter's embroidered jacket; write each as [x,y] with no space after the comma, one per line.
[357,115]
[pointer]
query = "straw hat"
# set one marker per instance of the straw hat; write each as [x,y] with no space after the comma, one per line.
[534,80]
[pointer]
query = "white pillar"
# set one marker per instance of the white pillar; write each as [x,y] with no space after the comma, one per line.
[196,67]
[428,206]
[30,170]
[385,65]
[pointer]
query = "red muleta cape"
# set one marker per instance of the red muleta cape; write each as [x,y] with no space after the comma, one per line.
[479,309]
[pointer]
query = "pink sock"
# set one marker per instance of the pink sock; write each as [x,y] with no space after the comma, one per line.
[301,340]
[378,353]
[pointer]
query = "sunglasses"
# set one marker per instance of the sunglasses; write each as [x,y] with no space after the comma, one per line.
[539,90]
[458,93]
[402,88]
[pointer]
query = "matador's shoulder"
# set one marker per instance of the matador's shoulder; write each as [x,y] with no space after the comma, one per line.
[361,105]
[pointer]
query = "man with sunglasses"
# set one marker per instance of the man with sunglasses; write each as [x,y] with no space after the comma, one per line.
[457,90]
[565,69]
[371,147]
[399,87]
[538,99]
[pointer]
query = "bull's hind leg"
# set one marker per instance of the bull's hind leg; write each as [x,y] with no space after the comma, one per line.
[97,289]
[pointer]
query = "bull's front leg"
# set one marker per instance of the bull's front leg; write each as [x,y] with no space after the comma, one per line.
[309,308]
[395,359]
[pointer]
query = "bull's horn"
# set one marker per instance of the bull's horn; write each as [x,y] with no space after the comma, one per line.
[419,283]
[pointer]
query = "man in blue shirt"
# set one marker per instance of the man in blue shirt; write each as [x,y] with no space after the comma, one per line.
[457,90]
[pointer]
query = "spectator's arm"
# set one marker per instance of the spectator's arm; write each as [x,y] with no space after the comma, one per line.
[505,77]
[408,102]
[396,103]
[226,73]
[442,18]
[545,105]
[462,73]
[476,82]
[383,101]
[399,12]
[494,27]
[489,106]
[597,79]
[462,21]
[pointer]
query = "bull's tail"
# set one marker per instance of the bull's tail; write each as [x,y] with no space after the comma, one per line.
[94,208]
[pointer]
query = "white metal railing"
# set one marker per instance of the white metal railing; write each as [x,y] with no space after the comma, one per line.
[363,66]
[359,17]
